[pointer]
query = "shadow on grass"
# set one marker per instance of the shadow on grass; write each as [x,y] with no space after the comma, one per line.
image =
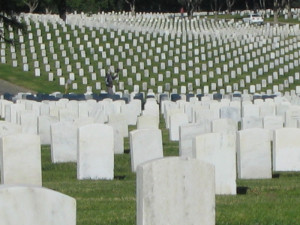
[275,175]
[120,177]
[241,190]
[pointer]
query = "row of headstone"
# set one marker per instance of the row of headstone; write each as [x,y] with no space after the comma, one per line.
[36,118]
[96,142]
[251,144]
[91,146]
[261,114]
[247,44]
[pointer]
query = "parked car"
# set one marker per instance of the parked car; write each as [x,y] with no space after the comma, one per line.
[253,19]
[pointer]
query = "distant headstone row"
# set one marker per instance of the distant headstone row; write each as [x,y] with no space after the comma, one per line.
[155,52]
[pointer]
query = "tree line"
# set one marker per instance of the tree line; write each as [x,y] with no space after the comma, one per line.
[190,6]
[10,8]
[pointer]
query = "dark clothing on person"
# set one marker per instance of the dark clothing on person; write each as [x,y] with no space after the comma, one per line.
[109,82]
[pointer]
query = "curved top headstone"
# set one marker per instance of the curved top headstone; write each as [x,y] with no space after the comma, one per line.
[29,205]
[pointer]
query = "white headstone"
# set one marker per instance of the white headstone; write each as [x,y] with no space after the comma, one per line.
[118,128]
[163,183]
[250,110]
[272,123]
[176,120]
[95,156]
[292,115]
[44,124]
[254,154]
[7,128]
[224,126]
[187,133]
[132,110]
[286,149]
[28,121]
[35,205]
[145,145]
[148,121]
[21,160]
[63,142]
[230,112]
[120,119]
[219,150]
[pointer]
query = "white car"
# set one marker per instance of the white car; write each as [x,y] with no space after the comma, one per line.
[253,19]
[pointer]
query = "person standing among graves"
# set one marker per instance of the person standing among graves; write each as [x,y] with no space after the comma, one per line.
[69,82]
[109,81]
[182,12]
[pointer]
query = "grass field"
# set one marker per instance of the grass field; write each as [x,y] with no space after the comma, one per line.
[99,202]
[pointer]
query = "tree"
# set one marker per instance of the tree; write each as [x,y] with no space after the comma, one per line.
[62,8]
[8,16]
[32,4]
[216,6]
[46,6]
[277,7]
[191,6]
[132,6]
[289,8]
[229,4]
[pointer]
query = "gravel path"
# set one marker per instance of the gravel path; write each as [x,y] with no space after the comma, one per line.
[6,87]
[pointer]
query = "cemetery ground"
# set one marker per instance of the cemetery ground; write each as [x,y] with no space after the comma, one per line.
[103,202]
[107,202]
[267,201]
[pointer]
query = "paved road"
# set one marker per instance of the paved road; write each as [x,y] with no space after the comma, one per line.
[6,87]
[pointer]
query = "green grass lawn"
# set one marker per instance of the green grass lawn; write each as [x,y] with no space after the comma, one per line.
[102,202]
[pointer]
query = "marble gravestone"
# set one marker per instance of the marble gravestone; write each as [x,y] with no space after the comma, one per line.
[132,110]
[63,142]
[224,126]
[272,123]
[175,121]
[7,128]
[204,114]
[28,122]
[147,121]
[230,112]
[118,127]
[21,159]
[286,149]
[177,191]
[4,102]
[31,205]
[251,122]
[44,128]
[250,110]
[254,154]
[145,145]
[186,135]
[219,149]
[95,156]
[292,115]
[151,107]
[120,120]
[67,115]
